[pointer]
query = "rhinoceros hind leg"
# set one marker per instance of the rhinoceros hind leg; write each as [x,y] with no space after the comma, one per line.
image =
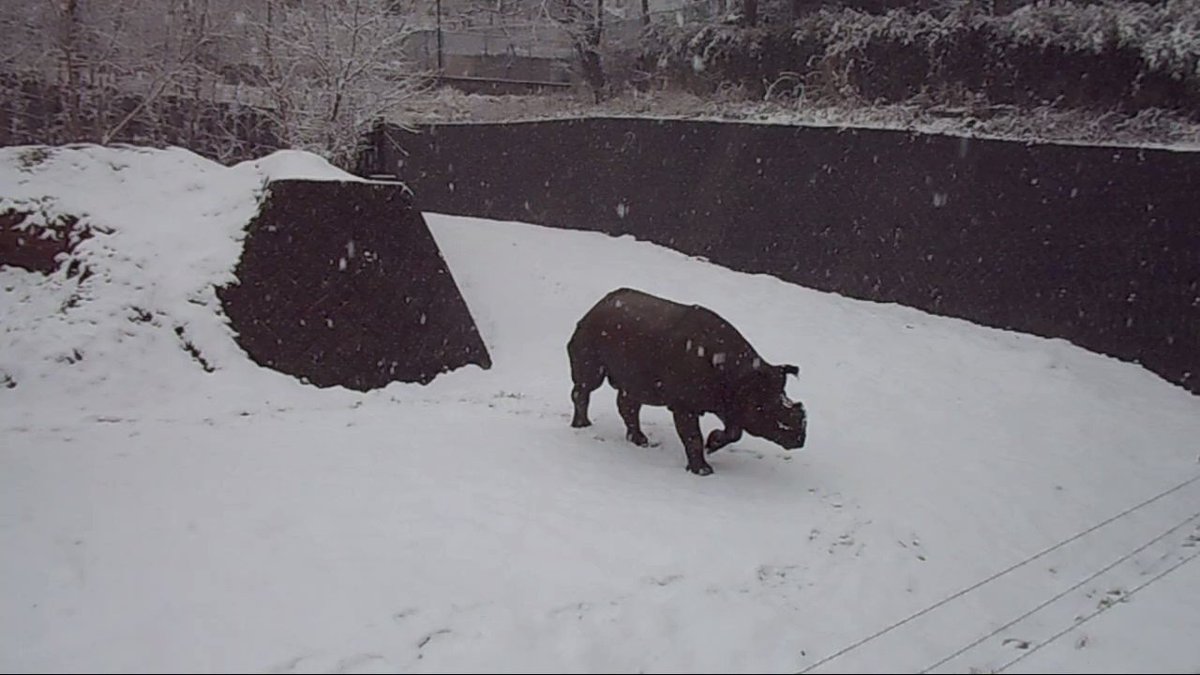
[630,409]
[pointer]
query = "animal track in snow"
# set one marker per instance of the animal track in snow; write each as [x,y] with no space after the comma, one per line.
[429,637]
[665,580]
[350,662]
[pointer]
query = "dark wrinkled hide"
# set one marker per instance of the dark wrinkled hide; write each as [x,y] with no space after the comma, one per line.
[687,358]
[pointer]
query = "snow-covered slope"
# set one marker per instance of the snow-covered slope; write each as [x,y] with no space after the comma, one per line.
[157,516]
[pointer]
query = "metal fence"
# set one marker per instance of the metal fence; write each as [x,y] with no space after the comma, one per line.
[540,49]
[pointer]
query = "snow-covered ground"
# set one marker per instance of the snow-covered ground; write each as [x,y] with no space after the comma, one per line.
[158,517]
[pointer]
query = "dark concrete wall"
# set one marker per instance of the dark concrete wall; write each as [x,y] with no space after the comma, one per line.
[341,283]
[1097,245]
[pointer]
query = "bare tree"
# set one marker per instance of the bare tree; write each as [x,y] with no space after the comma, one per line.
[70,43]
[583,20]
[331,68]
[24,18]
[97,56]
[170,70]
[169,49]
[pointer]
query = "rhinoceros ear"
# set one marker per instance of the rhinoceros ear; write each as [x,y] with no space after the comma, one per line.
[789,369]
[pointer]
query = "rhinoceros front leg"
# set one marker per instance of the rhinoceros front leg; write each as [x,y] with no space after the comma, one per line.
[688,426]
[719,438]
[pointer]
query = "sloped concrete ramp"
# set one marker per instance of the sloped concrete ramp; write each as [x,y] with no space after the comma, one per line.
[341,283]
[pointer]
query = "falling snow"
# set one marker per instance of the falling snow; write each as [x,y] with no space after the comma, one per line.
[451,528]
